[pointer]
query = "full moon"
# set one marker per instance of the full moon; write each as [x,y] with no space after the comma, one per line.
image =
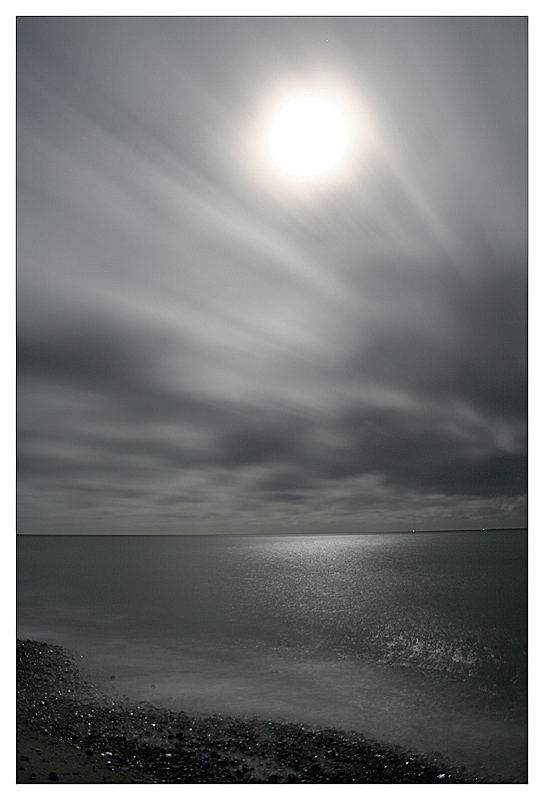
[308,136]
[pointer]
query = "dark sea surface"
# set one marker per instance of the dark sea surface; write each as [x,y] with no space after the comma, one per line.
[418,640]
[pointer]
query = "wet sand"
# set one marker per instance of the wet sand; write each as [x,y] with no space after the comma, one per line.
[68,733]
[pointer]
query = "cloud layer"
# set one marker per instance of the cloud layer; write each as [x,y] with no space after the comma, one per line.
[203,349]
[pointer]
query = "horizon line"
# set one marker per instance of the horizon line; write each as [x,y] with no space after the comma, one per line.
[279,533]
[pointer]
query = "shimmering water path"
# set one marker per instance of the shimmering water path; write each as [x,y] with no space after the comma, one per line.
[418,640]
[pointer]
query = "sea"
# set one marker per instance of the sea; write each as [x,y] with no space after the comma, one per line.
[417,640]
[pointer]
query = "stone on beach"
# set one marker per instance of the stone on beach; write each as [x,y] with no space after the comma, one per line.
[69,733]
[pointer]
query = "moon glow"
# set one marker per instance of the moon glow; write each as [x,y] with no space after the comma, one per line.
[308,136]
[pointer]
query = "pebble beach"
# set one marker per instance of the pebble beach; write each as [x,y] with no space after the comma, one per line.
[67,732]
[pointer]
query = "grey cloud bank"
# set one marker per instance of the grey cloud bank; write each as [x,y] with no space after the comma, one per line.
[201,349]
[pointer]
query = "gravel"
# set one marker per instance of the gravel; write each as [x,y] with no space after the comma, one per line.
[69,733]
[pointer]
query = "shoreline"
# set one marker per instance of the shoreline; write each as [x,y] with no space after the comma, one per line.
[68,733]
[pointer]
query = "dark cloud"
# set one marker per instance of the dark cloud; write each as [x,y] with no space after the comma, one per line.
[200,349]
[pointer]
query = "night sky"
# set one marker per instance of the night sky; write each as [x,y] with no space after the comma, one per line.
[206,345]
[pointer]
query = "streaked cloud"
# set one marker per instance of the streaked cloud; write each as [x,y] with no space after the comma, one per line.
[201,349]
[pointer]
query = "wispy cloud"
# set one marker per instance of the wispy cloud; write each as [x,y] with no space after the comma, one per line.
[201,350]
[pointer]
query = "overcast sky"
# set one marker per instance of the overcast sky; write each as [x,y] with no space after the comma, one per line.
[206,347]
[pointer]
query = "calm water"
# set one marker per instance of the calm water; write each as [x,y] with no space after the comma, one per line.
[418,640]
